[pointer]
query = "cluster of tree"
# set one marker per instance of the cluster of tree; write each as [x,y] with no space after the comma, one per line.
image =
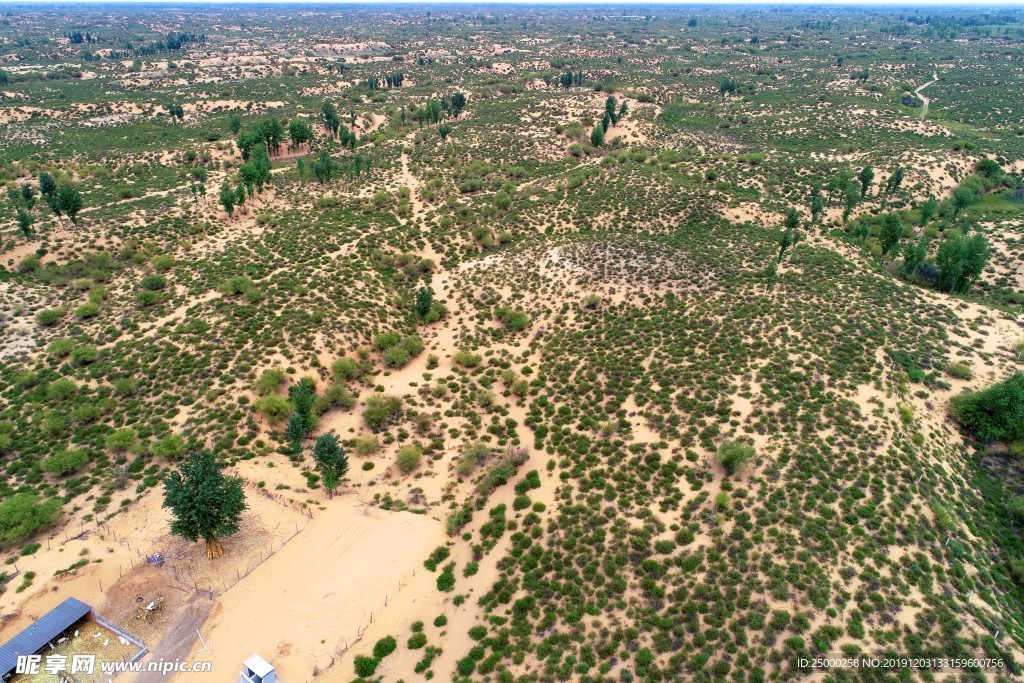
[570,78]
[255,173]
[728,86]
[204,503]
[332,121]
[77,38]
[173,41]
[299,132]
[197,185]
[612,114]
[325,167]
[63,200]
[270,132]
[392,80]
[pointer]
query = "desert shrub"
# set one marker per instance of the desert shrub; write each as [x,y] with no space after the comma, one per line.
[367,444]
[365,666]
[122,440]
[512,318]
[61,389]
[416,641]
[382,411]
[408,458]
[733,454]
[23,514]
[960,370]
[48,317]
[65,462]
[268,382]
[385,340]
[60,348]
[274,408]
[84,355]
[345,369]
[439,555]
[467,359]
[446,579]
[472,455]
[384,647]
[170,447]
[995,413]
[395,357]
[87,310]
[440,621]
[153,283]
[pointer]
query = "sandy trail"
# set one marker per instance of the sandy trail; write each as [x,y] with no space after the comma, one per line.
[920,94]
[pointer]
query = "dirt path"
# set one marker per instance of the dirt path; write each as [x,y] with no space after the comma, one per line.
[180,637]
[919,93]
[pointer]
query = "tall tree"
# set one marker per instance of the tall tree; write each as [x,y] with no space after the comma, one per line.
[227,197]
[961,260]
[47,185]
[892,231]
[895,180]
[928,209]
[597,136]
[961,199]
[67,201]
[866,177]
[204,503]
[331,461]
[424,300]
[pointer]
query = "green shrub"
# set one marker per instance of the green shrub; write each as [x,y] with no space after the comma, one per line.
[60,348]
[384,647]
[23,514]
[268,382]
[467,359]
[367,444]
[732,454]
[365,666]
[385,340]
[408,458]
[995,413]
[274,408]
[395,357]
[345,369]
[382,411]
[87,310]
[170,447]
[64,462]
[48,317]
[416,641]
[122,440]
[960,370]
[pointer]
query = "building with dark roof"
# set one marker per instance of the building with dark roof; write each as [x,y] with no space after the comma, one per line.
[39,634]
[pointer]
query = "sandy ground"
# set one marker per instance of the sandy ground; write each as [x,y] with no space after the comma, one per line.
[353,563]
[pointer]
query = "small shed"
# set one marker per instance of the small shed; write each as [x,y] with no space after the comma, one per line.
[257,670]
[45,629]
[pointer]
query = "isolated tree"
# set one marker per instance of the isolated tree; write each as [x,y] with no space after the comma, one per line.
[444,130]
[235,124]
[176,111]
[610,109]
[817,204]
[295,432]
[302,395]
[25,222]
[728,86]
[960,261]
[323,167]
[204,503]
[331,461]
[866,177]
[892,231]
[895,180]
[227,197]
[68,201]
[597,136]
[928,209]
[28,195]
[850,199]
[424,301]
[788,237]
[961,199]
[47,185]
